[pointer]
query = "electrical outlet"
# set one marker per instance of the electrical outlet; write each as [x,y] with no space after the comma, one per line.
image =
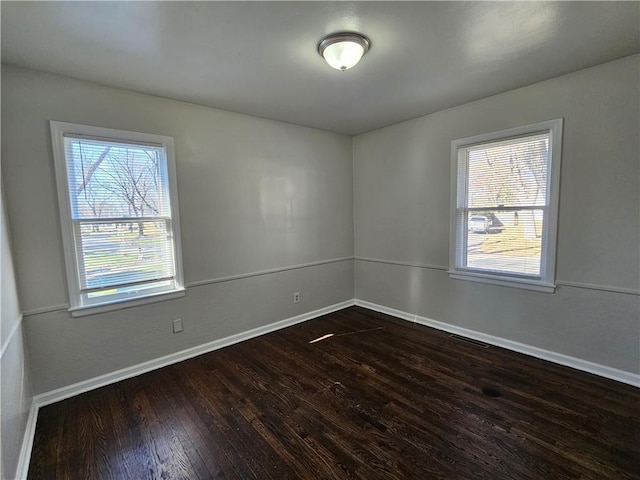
[177,325]
[296,297]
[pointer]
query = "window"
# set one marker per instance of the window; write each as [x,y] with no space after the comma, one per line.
[119,216]
[505,206]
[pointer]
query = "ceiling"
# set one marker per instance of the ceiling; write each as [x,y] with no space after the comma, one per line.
[260,58]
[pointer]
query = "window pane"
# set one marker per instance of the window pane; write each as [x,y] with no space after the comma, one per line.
[128,291]
[111,179]
[510,173]
[505,241]
[123,253]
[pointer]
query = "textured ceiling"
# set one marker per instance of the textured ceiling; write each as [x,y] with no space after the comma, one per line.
[260,58]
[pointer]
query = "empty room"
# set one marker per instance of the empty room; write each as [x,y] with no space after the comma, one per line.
[320,240]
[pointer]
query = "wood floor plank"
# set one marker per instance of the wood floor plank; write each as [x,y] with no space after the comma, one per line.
[380,398]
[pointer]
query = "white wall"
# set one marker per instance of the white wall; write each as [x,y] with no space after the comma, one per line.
[257,194]
[254,195]
[402,196]
[15,387]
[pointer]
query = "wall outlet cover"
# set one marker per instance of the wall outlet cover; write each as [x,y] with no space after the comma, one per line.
[177,325]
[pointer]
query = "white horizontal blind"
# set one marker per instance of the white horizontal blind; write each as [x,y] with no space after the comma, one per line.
[121,216]
[504,205]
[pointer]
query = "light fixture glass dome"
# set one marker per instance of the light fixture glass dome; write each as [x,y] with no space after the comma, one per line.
[343,50]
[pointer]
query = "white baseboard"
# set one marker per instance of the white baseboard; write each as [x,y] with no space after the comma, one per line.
[135,370]
[27,442]
[388,310]
[91,384]
[629,378]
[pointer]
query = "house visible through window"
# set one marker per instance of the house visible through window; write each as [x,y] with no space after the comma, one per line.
[505,200]
[119,211]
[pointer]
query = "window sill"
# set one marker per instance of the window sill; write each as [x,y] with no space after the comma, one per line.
[126,303]
[536,286]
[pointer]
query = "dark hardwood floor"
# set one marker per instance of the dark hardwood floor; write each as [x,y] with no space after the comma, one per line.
[393,401]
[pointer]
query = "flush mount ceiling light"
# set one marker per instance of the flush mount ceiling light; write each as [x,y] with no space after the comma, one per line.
[343,50]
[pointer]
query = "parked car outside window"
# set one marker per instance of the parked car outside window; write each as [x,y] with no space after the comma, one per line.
[479,224]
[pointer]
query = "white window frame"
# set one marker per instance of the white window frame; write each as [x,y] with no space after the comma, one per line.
[78,305]
[545,282]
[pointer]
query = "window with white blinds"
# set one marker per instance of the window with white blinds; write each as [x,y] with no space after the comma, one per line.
[505,206]
[118,203]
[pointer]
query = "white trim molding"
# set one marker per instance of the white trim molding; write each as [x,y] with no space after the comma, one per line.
[201,283]
[122,304]
[12,334]
[240,276]
[602,288]
[559,283]
[27,442]
[403,264]
[386,310]
[43,310]
[622,376]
